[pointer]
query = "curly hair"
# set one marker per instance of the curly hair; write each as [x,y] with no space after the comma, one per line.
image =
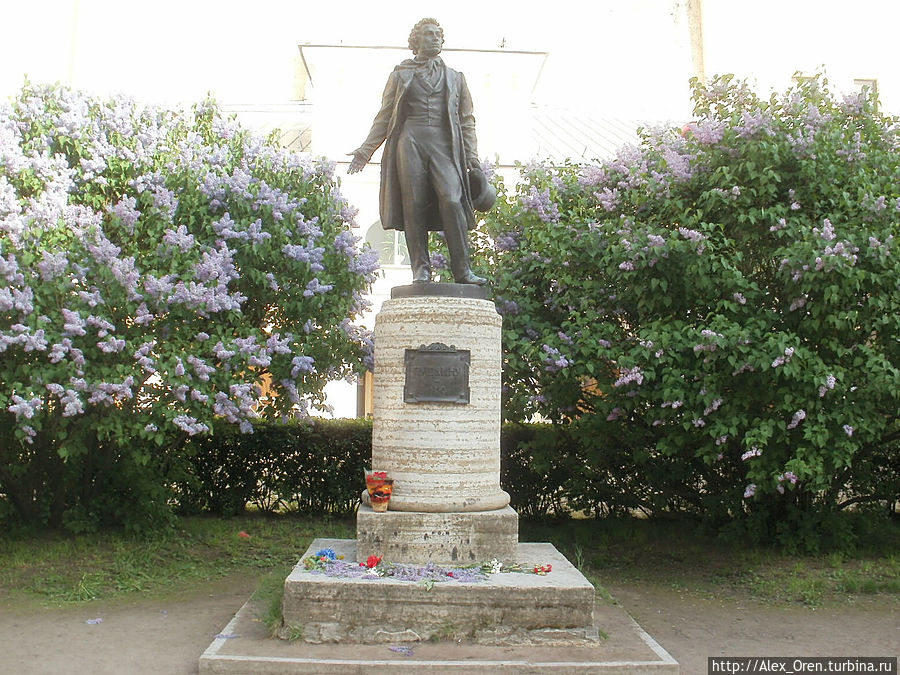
[416,32]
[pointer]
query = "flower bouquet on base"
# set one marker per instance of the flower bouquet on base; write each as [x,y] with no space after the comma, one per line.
[380,488]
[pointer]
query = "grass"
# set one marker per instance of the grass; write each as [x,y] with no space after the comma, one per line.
[680,556]
[56,569]
[269,594]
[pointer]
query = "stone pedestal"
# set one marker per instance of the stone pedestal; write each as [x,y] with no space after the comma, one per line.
[443,456]
[445,538]
[440,442]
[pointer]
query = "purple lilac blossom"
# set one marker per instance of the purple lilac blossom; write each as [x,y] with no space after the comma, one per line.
[507,241]
[190,425]
[316,287]
[629,375]
[798,417]
[708,131]
[781,360]
[179,238]
[539,202]
[751,453]
[22,408]
[554,361]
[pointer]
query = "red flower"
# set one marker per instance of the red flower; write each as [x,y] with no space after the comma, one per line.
[243,535]
[372,561]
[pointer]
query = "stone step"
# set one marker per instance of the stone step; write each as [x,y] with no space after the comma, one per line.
[378,609]
[619,647]
[444,538]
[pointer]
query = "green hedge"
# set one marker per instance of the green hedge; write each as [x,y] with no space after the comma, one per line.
[317,466]
[308,466]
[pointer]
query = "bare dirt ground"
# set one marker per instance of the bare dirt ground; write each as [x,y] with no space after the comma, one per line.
[168,635]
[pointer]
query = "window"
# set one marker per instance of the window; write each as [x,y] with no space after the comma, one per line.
[870,84]
[390,244]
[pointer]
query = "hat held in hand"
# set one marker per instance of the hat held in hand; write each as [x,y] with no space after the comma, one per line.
[484,195]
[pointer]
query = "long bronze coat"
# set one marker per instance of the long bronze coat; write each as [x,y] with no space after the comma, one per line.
[388,125]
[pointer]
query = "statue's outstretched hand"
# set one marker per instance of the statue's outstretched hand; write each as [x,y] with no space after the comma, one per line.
[357,163]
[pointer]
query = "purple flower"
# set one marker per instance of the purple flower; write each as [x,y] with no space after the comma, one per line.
[692,235]
[781,360]
[753,123]
[315,287]
[189,425]
[540,203]
[708,131]
[345,242]
[302,364]
[629,375]
[712,407]
[53,265]
[507,241]
[72,403]
[798,417]
[591,175]
[22,408]
[554,361]
[789,476]
[750,491]
[125,211]
[73,325]
[111,345]
[827,231]
[221,353]
[507,307]
[278,345]
[830,382]
[608,198]
[179,238]
[751,453]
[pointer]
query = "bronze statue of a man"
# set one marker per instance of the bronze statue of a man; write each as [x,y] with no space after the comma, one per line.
[428,128]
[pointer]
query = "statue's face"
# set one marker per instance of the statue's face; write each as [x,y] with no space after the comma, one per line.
[430,41]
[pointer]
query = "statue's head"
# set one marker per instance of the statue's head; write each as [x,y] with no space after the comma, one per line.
[426,37]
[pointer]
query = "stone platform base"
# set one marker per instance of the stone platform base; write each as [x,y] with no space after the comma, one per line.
[382,609]
[245,646]
[443,538]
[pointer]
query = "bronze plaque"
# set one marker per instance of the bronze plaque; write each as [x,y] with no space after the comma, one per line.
[436,373]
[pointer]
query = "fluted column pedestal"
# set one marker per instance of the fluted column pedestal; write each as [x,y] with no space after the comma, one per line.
[436,430]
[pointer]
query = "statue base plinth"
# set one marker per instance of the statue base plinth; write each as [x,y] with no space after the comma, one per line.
[443,538]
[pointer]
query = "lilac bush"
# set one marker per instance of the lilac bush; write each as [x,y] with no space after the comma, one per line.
[718,306]
[159,270]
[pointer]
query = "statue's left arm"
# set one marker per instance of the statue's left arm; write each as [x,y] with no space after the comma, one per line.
[467,125]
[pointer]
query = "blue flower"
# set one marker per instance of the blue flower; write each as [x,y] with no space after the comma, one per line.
[326,553]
